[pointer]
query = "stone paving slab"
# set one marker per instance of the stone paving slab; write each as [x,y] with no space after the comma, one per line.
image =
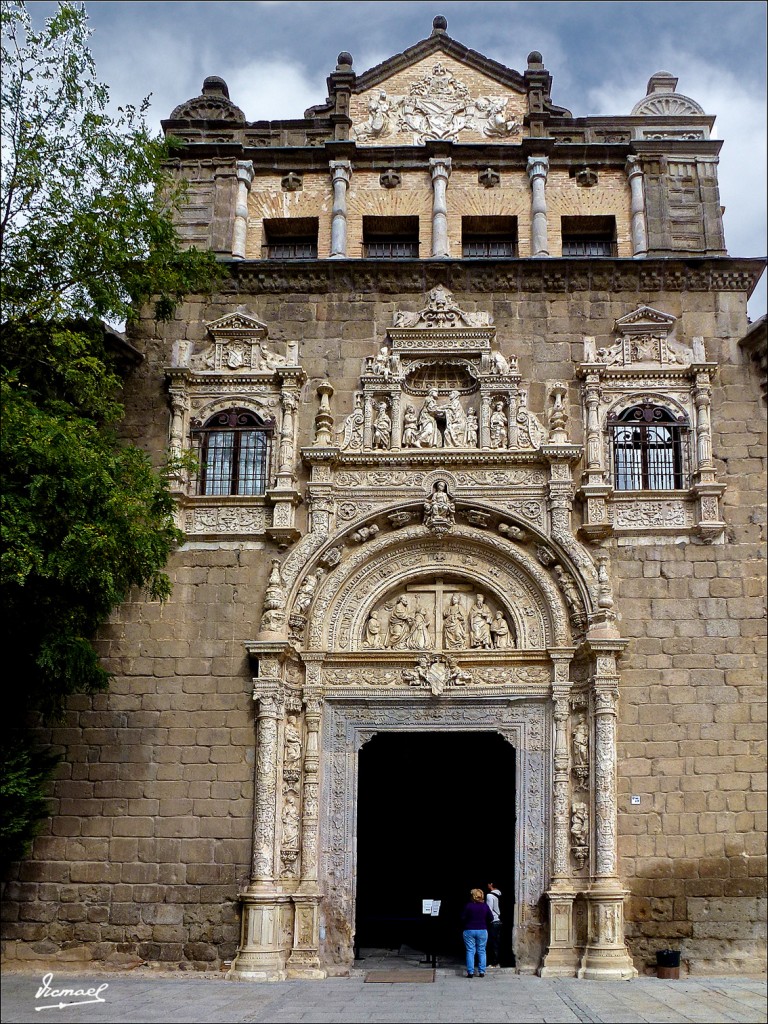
[500,997]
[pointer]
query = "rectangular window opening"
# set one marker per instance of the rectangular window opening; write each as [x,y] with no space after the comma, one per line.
[390,238]
[290,238]
[589,236]
[494,237]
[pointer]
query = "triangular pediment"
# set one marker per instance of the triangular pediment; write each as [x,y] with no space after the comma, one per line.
[435,46]
[237,325]
[645,317]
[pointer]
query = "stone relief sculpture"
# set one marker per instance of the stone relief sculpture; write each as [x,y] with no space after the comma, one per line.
[439,509]
[501,636]
[420,638]
[273,616]
[400,622]
[480,619]
[572,597]
[382,428]
[293,746]
[372,638]
[580,752]
[307,591]
[455,423]
[580,832]
[454,626]
[428,433]
[441,311]
[410,427]
[498,425]
[436,673]
[531,434]
[472,429]
[351,429]
[290,820]
[437,106]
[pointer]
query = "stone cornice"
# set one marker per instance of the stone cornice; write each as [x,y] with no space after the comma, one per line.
[563,275]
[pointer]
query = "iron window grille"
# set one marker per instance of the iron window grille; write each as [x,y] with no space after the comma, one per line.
[588,236]
[648,446]
[235,450]
[497,247]
[586,246]
[391,249]
[293,250]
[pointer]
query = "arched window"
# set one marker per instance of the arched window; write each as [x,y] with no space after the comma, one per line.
[647,447]
[234,453]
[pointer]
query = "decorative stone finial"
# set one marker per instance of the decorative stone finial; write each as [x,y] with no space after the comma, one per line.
[662,81]
[344,60]
[535,59]
[439,25]
[324,419]
[215,86]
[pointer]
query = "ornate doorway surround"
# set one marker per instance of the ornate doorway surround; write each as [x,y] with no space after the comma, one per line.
[440,586]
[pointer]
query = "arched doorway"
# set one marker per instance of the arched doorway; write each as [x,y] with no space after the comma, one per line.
[435,817]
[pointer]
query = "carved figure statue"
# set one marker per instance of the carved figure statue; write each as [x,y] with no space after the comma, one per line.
[400,622]
[290,820]
[292,743]
[382,427]
[439,509]
[480,619]
[419,674]
[454,626]
[378,123]
[456,675]
[531,434]
[455,422]
[571,595]
[307,590]
[410,427]
[372,638]
[472,429]
[499,364]
[428,433]
[352,427]
[420,638]
[501,636]
[580,832]
[580,750]
[380,364]
[498,426]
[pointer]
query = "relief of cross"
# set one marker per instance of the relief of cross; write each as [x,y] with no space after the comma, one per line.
[441,591]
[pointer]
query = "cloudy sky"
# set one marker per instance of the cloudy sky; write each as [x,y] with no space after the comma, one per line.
[275,56]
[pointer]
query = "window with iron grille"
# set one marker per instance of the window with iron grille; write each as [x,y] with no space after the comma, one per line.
[235,449]
[589,236]
[290,238]
[648,449]
[494,237]
[391,238]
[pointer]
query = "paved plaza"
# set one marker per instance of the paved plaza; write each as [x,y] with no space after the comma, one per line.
[145,997]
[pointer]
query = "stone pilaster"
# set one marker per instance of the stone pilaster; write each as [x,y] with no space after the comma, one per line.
[240,228]
[538,168]
[637,190]
[606,956]
[441,171]
[341,172]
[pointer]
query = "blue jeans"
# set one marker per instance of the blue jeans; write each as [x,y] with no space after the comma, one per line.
[474,942]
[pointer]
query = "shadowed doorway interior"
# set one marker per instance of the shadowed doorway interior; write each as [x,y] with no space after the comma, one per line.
[436,818]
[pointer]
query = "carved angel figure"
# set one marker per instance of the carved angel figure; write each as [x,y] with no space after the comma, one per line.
[454,626]
[352,428]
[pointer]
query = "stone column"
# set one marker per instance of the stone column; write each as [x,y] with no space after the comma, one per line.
[512,430]
[341,172]
[368,423]
[561,958]
[179,406]
[639,233]
[441,171]
[538,168]
[485,420]
[240,230]
[305,960]
[606,956]
[260,956]
[287,451]
[702,398]
[397,422]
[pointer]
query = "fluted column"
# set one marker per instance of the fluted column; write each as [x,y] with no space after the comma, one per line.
[341,172]
[637,190]
[538,168]
[240,230]
[441,171]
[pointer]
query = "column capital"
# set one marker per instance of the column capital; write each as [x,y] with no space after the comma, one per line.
[633,166]
[440,167]
[245,171]
[538,167]
[341,170]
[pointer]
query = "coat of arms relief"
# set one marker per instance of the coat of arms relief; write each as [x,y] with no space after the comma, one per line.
[438,106]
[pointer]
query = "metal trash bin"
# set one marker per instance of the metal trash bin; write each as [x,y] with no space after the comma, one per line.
[668,964]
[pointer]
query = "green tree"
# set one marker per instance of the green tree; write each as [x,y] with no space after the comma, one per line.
[86,235]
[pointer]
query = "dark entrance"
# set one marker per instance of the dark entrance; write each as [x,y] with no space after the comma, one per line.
[436,818]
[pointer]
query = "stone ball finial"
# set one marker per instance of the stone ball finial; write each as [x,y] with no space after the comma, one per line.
[215,86]
[344,60]
[534,58]
[439,24]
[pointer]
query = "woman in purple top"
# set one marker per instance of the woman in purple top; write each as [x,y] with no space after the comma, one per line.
[476,918]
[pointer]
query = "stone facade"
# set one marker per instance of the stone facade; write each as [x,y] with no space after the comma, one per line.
[444,540]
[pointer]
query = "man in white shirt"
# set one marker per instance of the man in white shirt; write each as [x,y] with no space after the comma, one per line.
[494,932]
